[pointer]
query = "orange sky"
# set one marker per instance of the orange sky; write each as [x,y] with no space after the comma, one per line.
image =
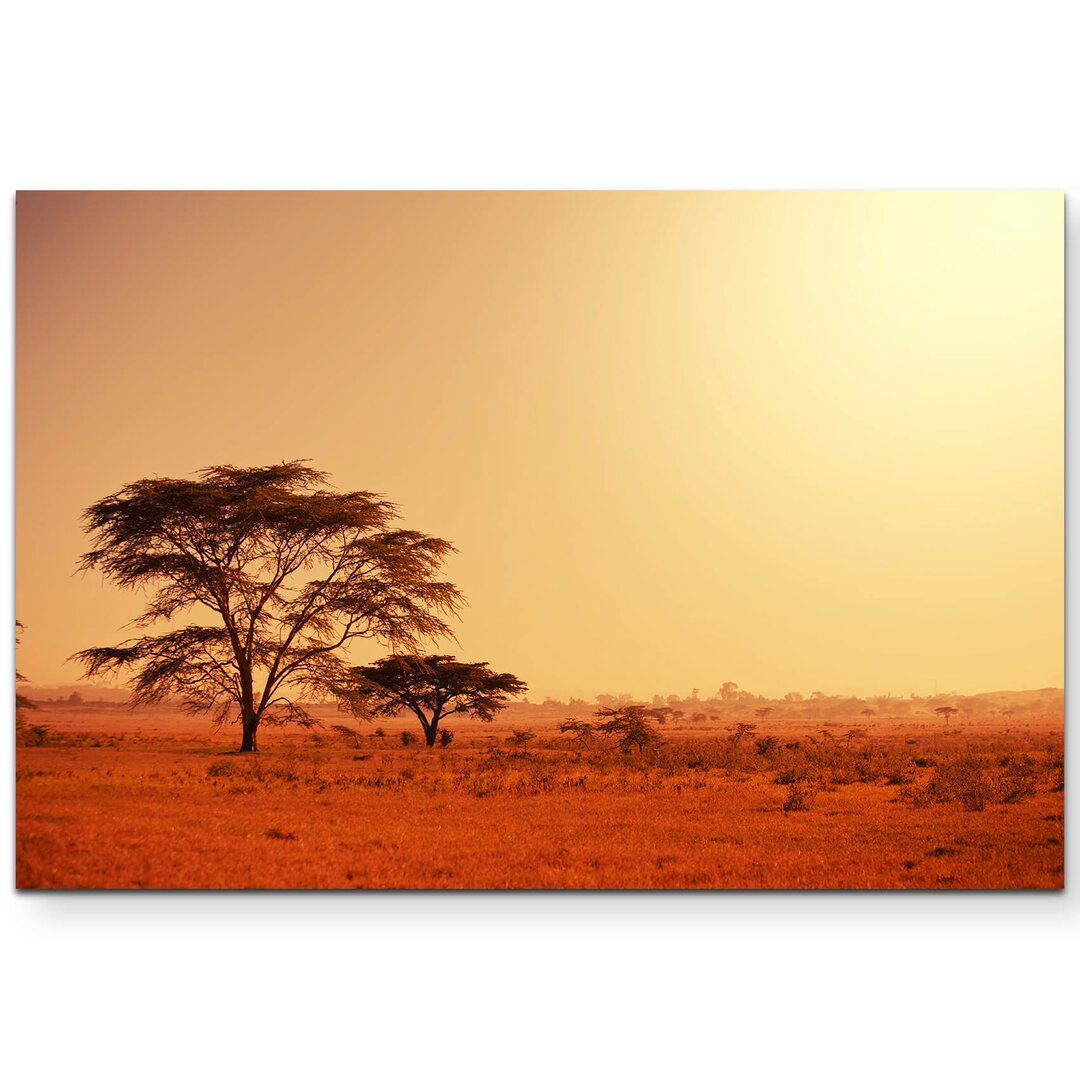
[801,441]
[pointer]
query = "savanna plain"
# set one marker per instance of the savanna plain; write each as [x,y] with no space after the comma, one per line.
[109,797]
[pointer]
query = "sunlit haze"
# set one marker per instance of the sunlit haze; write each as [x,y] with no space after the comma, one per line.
[801,441]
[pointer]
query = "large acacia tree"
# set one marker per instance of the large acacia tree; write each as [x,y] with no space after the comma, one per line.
[282,573]
[430,687]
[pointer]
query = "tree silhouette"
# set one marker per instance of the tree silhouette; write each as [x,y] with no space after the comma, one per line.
[740,731]
[286,571]
[763,713]
[582,730]
[430,687]
[630,723]
[946,712]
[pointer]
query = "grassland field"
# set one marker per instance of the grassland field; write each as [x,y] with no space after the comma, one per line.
[113,798]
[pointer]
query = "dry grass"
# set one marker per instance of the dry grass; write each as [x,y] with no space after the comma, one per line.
[109,799]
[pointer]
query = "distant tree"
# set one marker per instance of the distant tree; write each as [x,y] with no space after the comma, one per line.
[582,730]
[729,691]
[793,697]
[351,736]
[762,713]
[739,732]
[75,698]
[287,572]
[867,712]
[430,687]
[946,712]
[522,738]
[630,724]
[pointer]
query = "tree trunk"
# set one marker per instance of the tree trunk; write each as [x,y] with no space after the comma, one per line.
[431,731]
[247,743]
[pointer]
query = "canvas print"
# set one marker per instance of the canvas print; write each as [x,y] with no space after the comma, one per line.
[539,540]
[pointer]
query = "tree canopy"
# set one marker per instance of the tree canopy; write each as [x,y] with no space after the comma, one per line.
[285,573]
[631,725]
[430,687]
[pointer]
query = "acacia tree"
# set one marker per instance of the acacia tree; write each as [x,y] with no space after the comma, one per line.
[740,731]
[946,712]
[430,687]
[630,724]
[285,574]
[582,730]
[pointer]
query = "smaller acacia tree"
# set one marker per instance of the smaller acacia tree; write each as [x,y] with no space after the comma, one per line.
[630,723]
[582,730]
[946,712]
[740,731]
[430,687]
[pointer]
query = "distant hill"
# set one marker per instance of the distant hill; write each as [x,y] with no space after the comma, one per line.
[1044,696]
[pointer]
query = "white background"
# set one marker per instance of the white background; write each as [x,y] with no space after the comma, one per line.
[775,95]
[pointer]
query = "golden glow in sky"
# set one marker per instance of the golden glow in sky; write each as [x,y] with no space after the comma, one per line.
[798,440]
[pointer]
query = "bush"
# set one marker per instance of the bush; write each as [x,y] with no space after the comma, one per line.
[801,795]
[407,738]
[446,737]
[27,734]
[1018,780]
[963,780]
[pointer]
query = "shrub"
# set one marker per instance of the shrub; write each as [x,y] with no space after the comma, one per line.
[521,738]
[407,738]
[962,779]
[31,734]
[767,745]
[1018,780]
[446,737]
[801,795]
